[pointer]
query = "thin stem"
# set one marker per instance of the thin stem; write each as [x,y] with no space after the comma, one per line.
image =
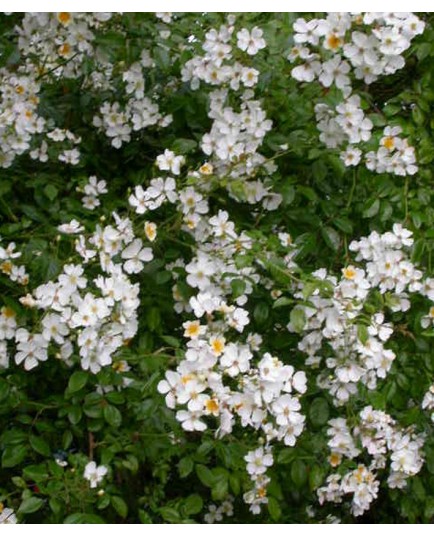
[353,187]
[406,215]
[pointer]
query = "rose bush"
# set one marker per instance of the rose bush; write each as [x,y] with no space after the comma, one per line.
[216,267]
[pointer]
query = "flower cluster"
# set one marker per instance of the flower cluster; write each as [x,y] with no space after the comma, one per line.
[216,514]
[354,342]
[98,314]
[8,267]
[92,190]
[380,437]
[56,37]
[394,155]
[220,376]
[365,46]
[257,463]
[235,134]
[55,44]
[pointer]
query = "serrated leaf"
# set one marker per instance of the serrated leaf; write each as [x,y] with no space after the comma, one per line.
[316,477]
[205,475]
[119,505]
[13,455]
[371,208]
[282,302]
[80,518]
[192,505]
[77,381]
[238,287]
[185,467]
[51,192]
[112,416]
[274,509]
[30,505]
[331,237]
[298,473]
[298,319]
[36,472]
[319,412]
[39,445]
[261,312]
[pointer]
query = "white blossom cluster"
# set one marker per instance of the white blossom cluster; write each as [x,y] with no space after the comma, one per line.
[394,155]
[22,129]
[336,325]
[258,462]
[120,121]
[62,41]
[221,376]
[236,132]
[378,435]
[19,120]
[364,46]
[55,44]
[216,513]
[8,265]
[91,306]
[92,190]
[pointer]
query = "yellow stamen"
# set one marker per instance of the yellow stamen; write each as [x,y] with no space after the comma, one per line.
[64,17]
[349,272]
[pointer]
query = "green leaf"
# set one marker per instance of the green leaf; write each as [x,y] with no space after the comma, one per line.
[298,319]
[185,467]
[331,237]
[30,505]
[261,312]
[171,515]
[77,381]
[80,518]
[75,414]
[192,505]
[36,472]
[238,287]
[183,146]
[274,509]
[119,505]
[286,455]
[344,224]
[205,475]
[282,302]
[371,208]
[319,412]
[316,477]
[4,389]
[112,416]
[234,483]
[219,489]
[55,505]
[362,333]
[39,445]
[13,455]
[51,191]
[298,473]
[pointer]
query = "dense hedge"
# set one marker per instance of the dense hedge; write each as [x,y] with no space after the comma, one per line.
[216,267]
